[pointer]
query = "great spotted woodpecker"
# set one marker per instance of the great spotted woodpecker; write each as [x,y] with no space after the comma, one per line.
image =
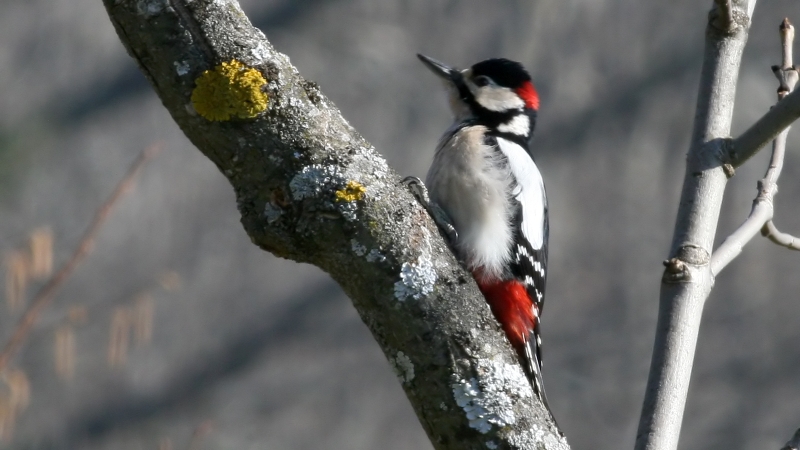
[486,193]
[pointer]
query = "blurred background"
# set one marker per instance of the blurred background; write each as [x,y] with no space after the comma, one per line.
[178,333]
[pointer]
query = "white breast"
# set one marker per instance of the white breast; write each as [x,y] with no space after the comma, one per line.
[468,181]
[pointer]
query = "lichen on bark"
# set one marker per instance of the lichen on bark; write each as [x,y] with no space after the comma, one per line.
[311,189]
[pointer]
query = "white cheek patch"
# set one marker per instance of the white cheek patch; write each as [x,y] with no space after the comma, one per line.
[519,125]
[495,98]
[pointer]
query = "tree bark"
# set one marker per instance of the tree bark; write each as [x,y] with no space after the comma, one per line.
[311,189]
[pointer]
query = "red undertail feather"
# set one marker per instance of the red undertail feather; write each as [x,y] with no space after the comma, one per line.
[512,307]
[528,93]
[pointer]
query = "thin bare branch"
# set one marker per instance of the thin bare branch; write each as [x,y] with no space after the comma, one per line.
[787,75]
[786,111]
[763,207]
[762,211]
[794,442]
[47,292]
[787,40]
[771,232]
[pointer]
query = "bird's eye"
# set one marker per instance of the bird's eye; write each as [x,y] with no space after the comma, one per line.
[482,81]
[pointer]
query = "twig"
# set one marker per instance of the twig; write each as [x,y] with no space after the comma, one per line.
[763,208]
[771,232]
[47,292]
[794,442]
[786,111]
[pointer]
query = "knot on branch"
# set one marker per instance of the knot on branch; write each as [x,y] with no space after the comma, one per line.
[676,271]
[677,267]
[726,154]
[766,190]
[725,19]
[729,170]
[694,255]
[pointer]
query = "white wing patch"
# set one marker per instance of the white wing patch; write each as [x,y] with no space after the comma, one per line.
[530,191]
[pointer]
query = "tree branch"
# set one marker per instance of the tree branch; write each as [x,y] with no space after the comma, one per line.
[763,207]
[687,280]
[47,292]
[765,129]
[771,232]
[794,442]
[311,189]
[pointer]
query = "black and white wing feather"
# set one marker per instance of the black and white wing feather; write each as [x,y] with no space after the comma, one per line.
[530,222]
[529,252]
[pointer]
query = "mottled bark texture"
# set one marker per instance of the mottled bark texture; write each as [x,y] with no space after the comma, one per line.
[311,189]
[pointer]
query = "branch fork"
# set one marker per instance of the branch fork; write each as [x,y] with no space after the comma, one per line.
[713,157]
[763,211]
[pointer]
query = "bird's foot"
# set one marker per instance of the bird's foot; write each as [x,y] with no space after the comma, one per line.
[442,220]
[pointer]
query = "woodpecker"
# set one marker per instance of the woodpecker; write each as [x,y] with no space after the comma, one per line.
[485,191]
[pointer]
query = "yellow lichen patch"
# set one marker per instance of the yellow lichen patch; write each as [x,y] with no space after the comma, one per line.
[352,192]
[229,90]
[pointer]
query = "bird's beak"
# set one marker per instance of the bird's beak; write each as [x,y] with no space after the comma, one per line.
[448,73]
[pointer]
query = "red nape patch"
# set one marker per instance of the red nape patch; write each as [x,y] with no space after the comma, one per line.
[512,307]
[528,93]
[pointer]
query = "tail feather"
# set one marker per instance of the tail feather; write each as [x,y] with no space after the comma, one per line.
[532,363]
[511,304]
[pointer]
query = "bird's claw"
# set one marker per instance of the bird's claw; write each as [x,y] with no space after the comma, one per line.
[442,220]
[417,187]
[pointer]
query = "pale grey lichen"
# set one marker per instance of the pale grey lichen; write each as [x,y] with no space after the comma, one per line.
[348,210]
[316,179]
[416,279]
[150,7]
[485,399]
[537,437]
[403,367]
[375,256]
[260,52]
[369,160]
[330,182]
[181,67]
[491,445]
[358,248]
[272,212]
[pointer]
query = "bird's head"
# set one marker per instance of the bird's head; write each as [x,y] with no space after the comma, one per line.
[490,88]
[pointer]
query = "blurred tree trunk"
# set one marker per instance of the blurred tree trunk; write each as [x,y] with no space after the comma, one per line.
[311,189]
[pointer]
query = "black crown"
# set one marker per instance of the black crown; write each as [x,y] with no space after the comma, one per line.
[503,71]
